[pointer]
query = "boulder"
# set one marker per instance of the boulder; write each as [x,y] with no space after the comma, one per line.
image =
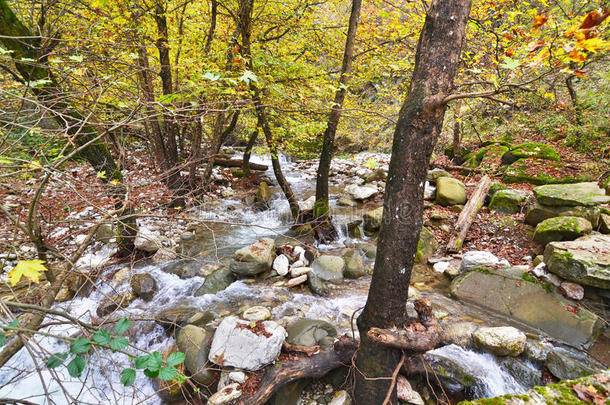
[536,171]
[147,240]
[501,341]
[377,175]
[163,255]
[217,281]
[115,303]
[260,252]
[309,332]
[175,316]
[571,290]
[530,303]
[537,213]
[437,173]
[560,229]
[450,191]
[247,269]
[195,342]
[316,285]
[530,150]
[585,194]
[604,223]
[329,268]
[144,286]
[236,344]
[372,220]
[506,201]
[183,268]
[104,233]
[361,192]
[354,264]
[565,367]
[476,258]
[585,260]
[354,230]
[263,196]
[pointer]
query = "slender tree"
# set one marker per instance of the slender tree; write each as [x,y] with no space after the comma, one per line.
[419,124]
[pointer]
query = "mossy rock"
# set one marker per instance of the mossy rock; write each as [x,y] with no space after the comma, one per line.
[537,213]
[484,155]
[530,150]
[561,229]
[540,172]
[507,201]
[585,194]
[450,191]
[426,247]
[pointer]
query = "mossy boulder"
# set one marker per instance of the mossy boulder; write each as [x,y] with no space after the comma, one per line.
[354,264]
[537,213]
[426,247]
[585,260]
[507,201]
[587,194]
[489,154]
[540,171]
[530,150]
[561,228]
[450,191]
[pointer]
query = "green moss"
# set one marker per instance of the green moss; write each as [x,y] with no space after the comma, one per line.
[529,278]
[534,171]
[531,150]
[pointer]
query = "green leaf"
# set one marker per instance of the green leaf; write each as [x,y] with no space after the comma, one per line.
[56,360]
[2,339]
[155,362]
[151,373]
[128,377]
[248,77]
[142,361]
[76,366]
[510,64]
[211,76]
[102,337]
[14,323]
[121,326]
[80,345]
[76,58]
[168,373]
[175,358]
[119,343]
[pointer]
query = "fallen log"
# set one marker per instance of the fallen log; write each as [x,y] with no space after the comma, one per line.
[238,163]
[415,338]
[468,214]
[287,371]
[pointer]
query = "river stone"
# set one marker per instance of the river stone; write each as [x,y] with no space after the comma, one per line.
[565,367]
[281,264]
[372,220]
[163,255]
[293,282]
[217,281]
[354,264]
[501,341]
[117,302]
[426,246]
[476,258]
[406,393]
[260,252]
[195,342]
[537,213]
[309,332]
[522,371]
[529,303]
[361,192]
[587,194]
[560,229]
[147,240]
[104,233]
[263,196]
[506,201]
[585,260]
[308,204]
[183,268]
[329,268]
[299,271]
[604,223]
[144,286]
[175,316]
[354,230]
[236,345]
[256,313]
[572,291]
[316,285]
[226,395]
[450,191]
[341,398]
[347,202]
[436,173]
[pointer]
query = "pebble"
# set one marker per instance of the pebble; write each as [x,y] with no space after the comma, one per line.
[293,282]
[280,264]
[299,271]
[256,313]
[226,395]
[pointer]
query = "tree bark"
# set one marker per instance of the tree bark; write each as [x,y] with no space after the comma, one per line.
[321,207]
[246,165]
[468,214]
[457,132]
[419,124]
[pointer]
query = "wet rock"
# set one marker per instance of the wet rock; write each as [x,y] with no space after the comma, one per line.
[281,265]
[524,373]
[461,333]
[537,351]
[437,173]
[572,290]
[506,201]
[263,196]
[293,282]
[329,268]
[341,398]
[347,202]
[225,396]
[316,285]
[426,247]
[195,342]
[406,393]
[111,304]
[530,303]
[501,341]
[450,191]
[104,233]
[476,258]
[372,220]
[361,192]
[566,368]
[308,205]
[201,318]
[120,276]
[354,230]
[163,255]
[183,268]
[561,229]
[175,316]
[236,345]
[354,264]
[260,252]
[309,332]
[217,281]
[144,286]
[256,313]
[585,260]
[586,194]
[537,213]
[147,240]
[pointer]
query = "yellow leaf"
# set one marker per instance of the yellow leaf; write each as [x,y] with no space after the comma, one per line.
[593,44]
[32,269]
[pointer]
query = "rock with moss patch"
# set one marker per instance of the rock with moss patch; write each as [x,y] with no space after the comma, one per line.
[565,367]
[539,172]
[450,191]
[501,341]
[487,156]
[530,150]
[507,201]
[144,286]
[195,343]
[263,196]
[604,223]
[436,173]
[585,260]
[426,247]
[561,229]
[585,194]
[537,213]
[372,220]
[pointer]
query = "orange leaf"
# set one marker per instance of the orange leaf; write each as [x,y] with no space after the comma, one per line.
[535,45]
[539,21]
[594,18]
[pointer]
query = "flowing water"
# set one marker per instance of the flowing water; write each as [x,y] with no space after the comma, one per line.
[26,379]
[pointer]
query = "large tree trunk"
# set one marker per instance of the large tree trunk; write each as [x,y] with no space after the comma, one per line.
[328,147]
[419,124]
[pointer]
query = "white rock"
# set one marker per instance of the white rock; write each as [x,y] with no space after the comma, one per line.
[238,377]
[225,395]
[406,393]
[293,282]
[297,251]
[256,313]
[296,264]
[241,348]
[504,263]
[299,271]
[147,240]
[502,341]
[280,264]
[361,192]
[477,258]
[308,204]
[341,398]
[429,192]
[441,267]
[539,270]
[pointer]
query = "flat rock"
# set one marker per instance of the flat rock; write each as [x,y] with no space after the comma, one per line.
[537,213]
[259,252]
[586,194]
[475,258]
[147,240]
[217,281]
[256,313]
[361,192]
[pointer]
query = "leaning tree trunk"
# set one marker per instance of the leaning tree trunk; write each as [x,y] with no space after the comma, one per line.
[321,207]
[419,124]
